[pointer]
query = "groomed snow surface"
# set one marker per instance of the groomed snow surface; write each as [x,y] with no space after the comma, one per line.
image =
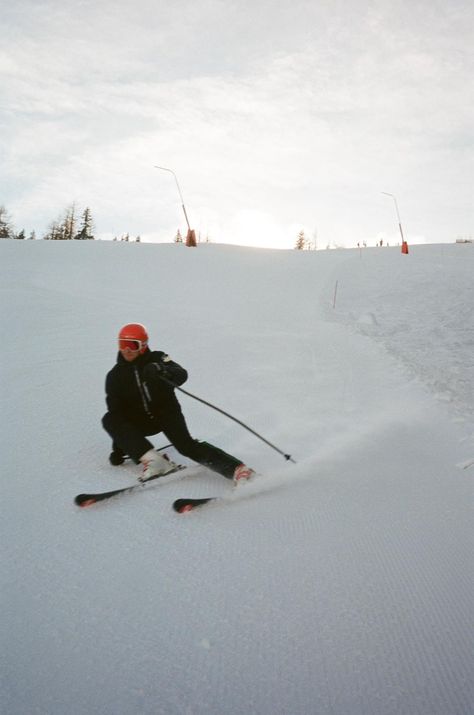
[339,585]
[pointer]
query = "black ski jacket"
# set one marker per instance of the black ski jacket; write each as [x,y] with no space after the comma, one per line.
[135,393]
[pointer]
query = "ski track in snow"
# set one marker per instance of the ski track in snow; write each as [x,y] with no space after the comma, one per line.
[341,585]
[429,309]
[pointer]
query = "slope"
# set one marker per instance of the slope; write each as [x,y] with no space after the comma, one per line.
[337,585]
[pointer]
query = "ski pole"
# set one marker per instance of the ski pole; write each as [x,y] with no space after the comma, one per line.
[288,457]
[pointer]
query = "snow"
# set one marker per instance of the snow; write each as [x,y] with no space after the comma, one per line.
[341,584]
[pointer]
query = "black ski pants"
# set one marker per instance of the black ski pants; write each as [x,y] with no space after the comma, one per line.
[131,438]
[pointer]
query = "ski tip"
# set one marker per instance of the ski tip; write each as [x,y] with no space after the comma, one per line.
[84,500]
[183,506]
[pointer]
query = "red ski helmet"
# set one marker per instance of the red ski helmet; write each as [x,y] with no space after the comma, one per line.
[133,336]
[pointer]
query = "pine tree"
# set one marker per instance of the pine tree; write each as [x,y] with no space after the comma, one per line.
[178,238]
[32,236]
[21,234]
[300,241]
[86,228]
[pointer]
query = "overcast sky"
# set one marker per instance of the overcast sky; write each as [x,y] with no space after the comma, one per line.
[276,117]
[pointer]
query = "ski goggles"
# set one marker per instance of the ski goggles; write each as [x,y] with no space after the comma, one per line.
[129,344]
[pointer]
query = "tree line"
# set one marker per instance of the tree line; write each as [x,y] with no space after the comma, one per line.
[71,227]
[80,227]
[6,227]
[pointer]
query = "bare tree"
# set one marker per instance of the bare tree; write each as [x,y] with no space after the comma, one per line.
[6,230]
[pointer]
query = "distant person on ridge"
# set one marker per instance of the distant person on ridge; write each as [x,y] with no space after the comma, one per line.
[141,402]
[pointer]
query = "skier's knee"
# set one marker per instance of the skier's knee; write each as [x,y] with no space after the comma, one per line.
[109,423]
[188,448]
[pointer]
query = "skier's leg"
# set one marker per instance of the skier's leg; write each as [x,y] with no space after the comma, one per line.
[117,455]
[127,436]
[204,453]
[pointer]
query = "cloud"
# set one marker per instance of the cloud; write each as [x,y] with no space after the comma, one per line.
[296,115]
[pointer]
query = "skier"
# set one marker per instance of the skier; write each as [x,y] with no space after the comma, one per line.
[141,402]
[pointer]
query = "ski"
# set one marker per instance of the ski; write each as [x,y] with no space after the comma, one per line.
[182,506]
[84,500]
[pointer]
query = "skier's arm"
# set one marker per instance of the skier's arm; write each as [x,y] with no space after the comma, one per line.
[114,404]
[163,366]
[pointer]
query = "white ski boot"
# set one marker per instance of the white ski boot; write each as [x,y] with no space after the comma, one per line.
[155,465]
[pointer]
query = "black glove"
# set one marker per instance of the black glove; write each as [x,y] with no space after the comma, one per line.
[154,371]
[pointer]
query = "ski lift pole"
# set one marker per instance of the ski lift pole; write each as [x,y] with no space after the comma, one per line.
[404,243]
[163,168]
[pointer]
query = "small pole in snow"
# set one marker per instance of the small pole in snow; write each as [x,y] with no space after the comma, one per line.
[335,294]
